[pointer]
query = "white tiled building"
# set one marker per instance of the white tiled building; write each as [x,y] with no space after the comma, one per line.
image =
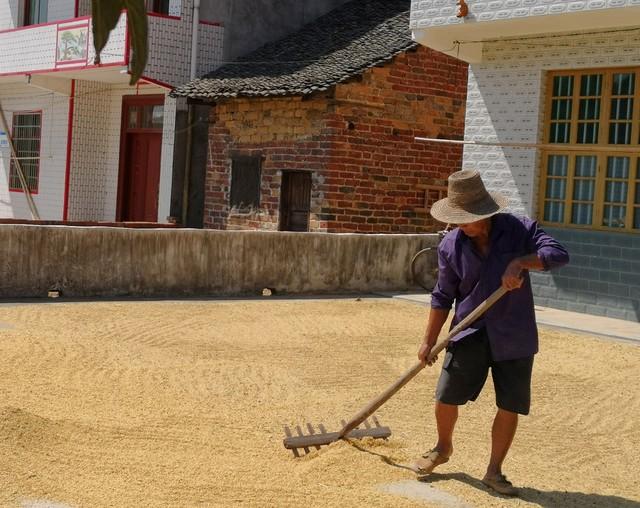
[92,147]
[564,76]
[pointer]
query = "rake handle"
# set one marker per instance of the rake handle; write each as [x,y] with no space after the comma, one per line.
[413,371]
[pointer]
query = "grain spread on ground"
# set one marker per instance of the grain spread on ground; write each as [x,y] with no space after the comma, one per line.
[183,404]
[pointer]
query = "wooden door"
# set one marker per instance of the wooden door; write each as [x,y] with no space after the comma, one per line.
[142,177]
[141,140]
[295,201]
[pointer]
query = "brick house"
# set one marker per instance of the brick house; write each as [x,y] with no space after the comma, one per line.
[315,131]
[563,79]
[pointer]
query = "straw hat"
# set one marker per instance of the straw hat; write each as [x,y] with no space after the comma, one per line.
[467,200]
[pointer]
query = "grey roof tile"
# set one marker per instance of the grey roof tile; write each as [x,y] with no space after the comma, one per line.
[337,46]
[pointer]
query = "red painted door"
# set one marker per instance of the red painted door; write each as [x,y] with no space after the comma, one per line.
[141,137]
[143,177]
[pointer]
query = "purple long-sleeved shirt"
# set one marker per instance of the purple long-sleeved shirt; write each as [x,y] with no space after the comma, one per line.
[468,279]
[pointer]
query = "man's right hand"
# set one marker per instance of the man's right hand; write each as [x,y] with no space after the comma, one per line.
[423,353]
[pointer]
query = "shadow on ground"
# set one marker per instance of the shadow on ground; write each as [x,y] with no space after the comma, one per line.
[545,498]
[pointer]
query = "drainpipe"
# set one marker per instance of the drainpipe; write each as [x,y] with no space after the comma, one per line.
[193,75]
[194,39]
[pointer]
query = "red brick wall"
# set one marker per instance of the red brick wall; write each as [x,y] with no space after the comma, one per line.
[358,142]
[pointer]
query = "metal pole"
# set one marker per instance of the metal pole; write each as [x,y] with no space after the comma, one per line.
[23,181]
[543,146]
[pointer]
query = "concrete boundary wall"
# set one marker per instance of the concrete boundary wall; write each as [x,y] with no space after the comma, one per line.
[103,261]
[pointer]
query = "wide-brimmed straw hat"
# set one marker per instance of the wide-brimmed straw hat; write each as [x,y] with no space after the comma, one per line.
[467,200]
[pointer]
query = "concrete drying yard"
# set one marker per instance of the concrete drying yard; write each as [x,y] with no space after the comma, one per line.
[180,404]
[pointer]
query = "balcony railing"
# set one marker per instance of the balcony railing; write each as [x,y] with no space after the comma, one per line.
[59,46]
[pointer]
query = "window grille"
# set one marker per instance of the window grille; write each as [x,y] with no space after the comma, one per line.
[26,135]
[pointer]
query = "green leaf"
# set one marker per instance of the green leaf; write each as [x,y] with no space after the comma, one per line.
[138,36]
[105,15]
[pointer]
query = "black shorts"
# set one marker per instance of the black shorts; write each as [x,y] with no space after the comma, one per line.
[464,372]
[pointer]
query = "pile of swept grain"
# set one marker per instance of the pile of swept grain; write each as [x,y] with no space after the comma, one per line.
[183,403]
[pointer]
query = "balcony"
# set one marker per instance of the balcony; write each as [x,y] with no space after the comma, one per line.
[434,22]
[63,47]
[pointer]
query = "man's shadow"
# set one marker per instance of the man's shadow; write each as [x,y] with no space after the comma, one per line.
[544,498]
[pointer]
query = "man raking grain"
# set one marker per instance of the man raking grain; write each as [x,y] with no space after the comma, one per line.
[487,249]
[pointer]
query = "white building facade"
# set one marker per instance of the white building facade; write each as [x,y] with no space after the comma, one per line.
[563,76]
[91,147]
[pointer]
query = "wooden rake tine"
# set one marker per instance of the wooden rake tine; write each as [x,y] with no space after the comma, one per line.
[287,432]
[311,431]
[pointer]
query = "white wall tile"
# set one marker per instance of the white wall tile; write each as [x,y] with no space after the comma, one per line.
[505,103]
[426,13]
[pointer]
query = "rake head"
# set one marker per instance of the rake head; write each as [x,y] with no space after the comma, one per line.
[317,439]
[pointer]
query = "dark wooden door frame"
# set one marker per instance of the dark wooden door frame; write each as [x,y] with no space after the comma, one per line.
[127,102]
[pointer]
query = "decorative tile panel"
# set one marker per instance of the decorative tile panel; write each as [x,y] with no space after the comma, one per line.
[32,49]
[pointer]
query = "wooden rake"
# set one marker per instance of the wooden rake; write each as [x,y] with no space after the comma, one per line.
[351,429]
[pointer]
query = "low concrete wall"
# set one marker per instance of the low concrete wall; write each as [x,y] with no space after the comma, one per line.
[102,261]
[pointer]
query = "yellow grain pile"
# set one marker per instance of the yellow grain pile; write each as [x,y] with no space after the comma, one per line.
[183,403]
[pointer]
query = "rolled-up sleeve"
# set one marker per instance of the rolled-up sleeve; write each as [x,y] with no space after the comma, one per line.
[446,289]
[549,250]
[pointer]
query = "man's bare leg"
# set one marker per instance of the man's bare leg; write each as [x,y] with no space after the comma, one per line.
[502,433]
[446,417]
[504,429]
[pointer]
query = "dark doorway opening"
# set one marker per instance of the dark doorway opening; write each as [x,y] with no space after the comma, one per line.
[295,201]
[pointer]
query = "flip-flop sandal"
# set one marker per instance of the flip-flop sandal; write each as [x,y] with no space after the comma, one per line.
[500,484]
[428,462]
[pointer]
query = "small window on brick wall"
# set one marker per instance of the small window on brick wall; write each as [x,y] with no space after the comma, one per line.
[26,139]
[245,181]
[431,194]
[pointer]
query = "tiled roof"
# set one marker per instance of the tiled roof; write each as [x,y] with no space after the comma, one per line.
[337,46]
